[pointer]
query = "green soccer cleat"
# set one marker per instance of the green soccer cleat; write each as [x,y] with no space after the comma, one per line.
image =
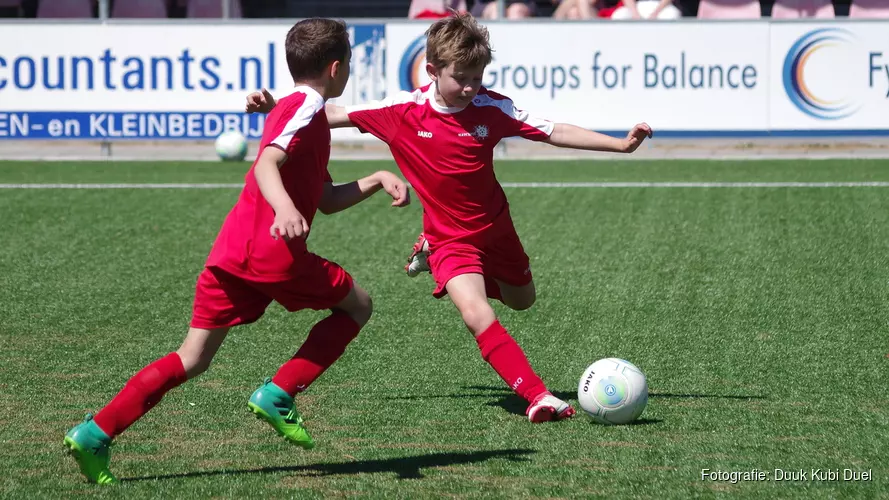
[272,404]
[88,444]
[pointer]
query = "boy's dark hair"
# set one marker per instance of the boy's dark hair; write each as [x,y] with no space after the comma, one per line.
[459,40]
[312,44]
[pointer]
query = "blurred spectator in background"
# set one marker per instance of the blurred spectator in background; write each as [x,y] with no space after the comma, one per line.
[515,9]
[574,9]
[435,9]
[139,9]
[729,9]
[420,9]
[65,8]
[800,9]
[209,9]
[646,9]
[873,9]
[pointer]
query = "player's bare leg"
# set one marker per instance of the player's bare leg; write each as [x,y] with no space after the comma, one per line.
[501,351]
[546,407]
[199,348]
[274,402]
[467,292]
[358,305]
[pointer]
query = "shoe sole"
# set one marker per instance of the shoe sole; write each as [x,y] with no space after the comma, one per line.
[548,414]
[417,253]
[420,268]
[264,416]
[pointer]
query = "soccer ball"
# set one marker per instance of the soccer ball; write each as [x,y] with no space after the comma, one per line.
[613,391]
[231,145]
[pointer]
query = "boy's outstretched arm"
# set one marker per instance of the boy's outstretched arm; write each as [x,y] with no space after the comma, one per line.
[343,196]
[570,136]
[289,223]
[260,102]
[337,116]
[263,102]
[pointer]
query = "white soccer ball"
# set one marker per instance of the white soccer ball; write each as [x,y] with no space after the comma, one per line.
[613,391]
[231,145]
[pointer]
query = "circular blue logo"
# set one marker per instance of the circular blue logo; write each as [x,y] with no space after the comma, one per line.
[611,391]
[794,72]
[411,68]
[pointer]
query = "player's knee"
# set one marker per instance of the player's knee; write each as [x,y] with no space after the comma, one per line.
[194,363]
[478,317]
[358,305]
[365,310]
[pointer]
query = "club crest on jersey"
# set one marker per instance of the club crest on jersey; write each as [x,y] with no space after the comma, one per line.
[480,132]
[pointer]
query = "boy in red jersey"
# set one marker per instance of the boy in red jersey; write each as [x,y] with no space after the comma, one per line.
[442,136]
[260,255]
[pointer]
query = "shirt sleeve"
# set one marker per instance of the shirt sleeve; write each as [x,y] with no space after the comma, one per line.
[380,118]
[293,119]
[522,124]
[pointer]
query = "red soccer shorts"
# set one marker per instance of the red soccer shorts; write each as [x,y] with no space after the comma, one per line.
[224,300]
[502,259]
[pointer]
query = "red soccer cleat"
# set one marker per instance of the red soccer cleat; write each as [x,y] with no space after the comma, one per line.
[416,263]
[548,408]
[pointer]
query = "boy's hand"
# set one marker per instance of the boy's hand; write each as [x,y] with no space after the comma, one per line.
[289,225]
[636,136]
[260,102]
[395,187]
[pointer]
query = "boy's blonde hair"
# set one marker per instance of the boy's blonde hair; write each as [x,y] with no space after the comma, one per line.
[458,40]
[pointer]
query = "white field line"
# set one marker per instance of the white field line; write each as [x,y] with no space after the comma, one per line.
[532,185]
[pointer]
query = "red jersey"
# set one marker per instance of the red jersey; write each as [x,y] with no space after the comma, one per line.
[447,154]
[298,126]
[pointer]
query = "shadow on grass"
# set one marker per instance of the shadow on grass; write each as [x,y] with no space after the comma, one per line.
[404,467]
[509,401]
[502,397]
[484,392]
[667,395]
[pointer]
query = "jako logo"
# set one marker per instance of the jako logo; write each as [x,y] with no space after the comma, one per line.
[412,68]
[802,54]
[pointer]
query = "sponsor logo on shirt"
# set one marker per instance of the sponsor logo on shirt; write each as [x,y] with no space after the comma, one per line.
[479,132]
[424,134]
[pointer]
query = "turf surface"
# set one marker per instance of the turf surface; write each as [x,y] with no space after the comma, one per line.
[758,314]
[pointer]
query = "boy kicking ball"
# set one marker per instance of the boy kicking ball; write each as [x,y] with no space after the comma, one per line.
[442,136]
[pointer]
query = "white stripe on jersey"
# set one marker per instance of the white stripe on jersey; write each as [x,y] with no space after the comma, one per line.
[419,97]
[402,97]
[508,107]
[307,110]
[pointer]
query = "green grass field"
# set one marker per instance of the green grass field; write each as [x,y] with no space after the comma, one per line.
[758,314]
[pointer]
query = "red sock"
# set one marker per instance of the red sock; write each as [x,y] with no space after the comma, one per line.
[502,352]
[141,393]
[326,343]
